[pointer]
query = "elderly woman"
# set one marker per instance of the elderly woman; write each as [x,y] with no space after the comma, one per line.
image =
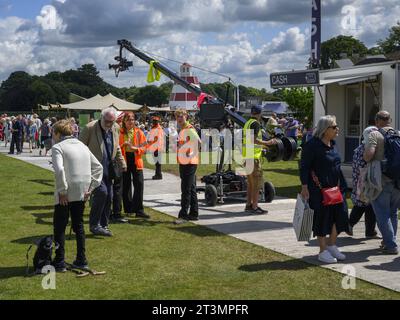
[77,173]
[320,168]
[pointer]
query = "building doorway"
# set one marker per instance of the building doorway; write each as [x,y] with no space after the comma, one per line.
[363,101]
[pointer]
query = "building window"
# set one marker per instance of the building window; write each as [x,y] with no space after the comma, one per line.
[372,103]
[353,111]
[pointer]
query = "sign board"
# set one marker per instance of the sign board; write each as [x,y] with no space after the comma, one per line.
[305,78]
[316,34]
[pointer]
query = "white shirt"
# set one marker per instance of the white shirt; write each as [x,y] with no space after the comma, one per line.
[76,170]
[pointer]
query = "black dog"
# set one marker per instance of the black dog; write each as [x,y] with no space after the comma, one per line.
[43,254]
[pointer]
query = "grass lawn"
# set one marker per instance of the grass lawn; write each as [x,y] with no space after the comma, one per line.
[151,259]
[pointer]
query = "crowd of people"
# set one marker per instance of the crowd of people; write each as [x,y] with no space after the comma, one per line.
[104,163]
[288,126]
[375,192]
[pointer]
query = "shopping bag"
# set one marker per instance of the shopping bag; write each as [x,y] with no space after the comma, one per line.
[303,219]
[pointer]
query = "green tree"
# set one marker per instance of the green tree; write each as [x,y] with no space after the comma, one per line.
[150,95]
[333,48]
[392,42]
[300,101]
[16,94]
[42,93]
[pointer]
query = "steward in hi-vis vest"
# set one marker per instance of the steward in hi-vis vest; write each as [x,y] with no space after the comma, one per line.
[188,159]
[156,145]
[252,155]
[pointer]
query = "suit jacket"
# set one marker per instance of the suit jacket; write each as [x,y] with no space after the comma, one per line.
[92,136]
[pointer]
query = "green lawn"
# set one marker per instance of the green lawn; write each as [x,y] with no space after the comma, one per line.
[151,259]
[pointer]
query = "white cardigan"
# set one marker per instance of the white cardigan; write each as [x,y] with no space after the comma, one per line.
[76,169]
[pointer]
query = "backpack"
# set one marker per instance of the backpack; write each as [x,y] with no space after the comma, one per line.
[391,164]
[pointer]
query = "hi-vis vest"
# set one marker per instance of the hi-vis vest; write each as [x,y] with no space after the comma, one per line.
[139,140]
[188,150]
[155,139]
[251,150]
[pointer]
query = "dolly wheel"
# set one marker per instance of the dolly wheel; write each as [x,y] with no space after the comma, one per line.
[269,192]
[211,195]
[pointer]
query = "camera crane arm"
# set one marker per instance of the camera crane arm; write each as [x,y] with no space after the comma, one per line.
[123,65]
[286,148]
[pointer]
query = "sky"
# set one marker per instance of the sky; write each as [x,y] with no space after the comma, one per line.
[245,40]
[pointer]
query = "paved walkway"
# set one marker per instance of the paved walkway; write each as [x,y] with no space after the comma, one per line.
[273,231]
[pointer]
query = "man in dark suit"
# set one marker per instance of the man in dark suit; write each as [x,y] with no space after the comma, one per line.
[102,138]
[17,133]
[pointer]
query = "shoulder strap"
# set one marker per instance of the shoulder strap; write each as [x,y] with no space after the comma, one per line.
[315,179]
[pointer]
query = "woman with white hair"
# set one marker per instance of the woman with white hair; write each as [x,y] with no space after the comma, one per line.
[320,172]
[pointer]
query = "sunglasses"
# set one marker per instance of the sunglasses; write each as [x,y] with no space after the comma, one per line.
[334,127]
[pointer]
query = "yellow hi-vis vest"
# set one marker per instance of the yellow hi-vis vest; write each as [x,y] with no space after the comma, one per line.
[251,150]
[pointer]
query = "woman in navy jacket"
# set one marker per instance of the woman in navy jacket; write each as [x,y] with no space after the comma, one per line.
[319,155]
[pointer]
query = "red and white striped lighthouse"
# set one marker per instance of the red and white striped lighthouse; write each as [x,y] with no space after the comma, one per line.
[180,97]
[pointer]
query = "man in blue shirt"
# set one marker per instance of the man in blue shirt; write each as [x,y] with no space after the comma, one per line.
[292,127]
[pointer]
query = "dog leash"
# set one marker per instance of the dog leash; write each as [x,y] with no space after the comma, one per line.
[27,260]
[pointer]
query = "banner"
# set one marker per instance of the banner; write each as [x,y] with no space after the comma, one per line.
[316,34]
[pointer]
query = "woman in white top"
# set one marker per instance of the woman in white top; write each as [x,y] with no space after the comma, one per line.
[77,173]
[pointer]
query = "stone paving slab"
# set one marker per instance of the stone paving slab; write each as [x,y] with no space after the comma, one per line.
[273,231]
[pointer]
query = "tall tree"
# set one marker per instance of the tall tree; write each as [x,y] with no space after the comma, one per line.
[150,95]
[392,42]
[333,48]
[42,93]
[300,101]
[16,92]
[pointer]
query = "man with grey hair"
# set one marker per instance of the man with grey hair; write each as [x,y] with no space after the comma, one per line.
[102,138]
[387,203]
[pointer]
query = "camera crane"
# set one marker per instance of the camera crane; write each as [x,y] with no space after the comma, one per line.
[214,112]
[124,65]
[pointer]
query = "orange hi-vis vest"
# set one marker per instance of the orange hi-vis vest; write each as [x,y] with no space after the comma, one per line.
[139,141]
[188,146]
[155,139]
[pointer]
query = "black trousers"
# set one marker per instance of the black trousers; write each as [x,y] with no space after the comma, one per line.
[134,205]
[158,164]
[188,189]
[15,143]
[117,197]
[60,222]
[370,220]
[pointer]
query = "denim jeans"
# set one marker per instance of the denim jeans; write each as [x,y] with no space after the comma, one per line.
[101,204]
[386,210]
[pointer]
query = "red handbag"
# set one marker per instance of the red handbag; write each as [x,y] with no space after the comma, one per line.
[330,196]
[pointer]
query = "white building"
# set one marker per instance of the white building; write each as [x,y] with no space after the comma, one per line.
[180,97]
[354,95]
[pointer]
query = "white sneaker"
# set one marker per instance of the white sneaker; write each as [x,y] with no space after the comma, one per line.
[334,251]
[326,257]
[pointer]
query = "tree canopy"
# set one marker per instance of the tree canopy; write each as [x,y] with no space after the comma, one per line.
[332,49]
[392,42]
